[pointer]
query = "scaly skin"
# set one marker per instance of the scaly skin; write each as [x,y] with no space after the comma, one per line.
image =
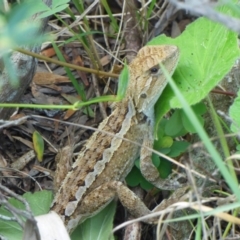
[103,163]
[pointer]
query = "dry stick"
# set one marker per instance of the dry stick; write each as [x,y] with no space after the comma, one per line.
[133,44]
[100,73]
[132,33]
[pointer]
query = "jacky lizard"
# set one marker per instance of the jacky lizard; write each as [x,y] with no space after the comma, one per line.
[96,176]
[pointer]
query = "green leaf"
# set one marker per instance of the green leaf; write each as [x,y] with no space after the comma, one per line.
[165,151]
[199,109]
[11,70]
[208,50]
[133,178]
[9,229]
[165,168]
[174,125]
[39,203]
[160,130]
[58,3]
[144,184]
[234,114]
[39,6]
[38,145]
[137,163]
[16,30]
[238,147]
[178,148]
[155,160]
[164,142]
[187,123]
[123,83]
[229,177]
[97,227]
[53,11]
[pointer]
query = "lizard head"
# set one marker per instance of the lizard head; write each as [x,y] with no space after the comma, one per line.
[147,80]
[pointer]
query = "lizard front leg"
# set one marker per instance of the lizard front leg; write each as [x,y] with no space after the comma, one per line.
[148,170]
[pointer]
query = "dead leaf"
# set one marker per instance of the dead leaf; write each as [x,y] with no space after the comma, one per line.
[68,114]
[71,98]
[77,60]
[49,52]
[45,78]
[105,60]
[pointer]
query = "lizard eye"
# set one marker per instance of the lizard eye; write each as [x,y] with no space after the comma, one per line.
[143,95]
[154,70]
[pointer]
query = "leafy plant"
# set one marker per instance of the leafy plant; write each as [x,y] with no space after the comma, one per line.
[97,227]
[16,27]
[39,203]
[177,125]
[35,7]
[208,50]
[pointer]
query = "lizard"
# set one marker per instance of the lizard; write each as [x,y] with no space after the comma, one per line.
[97,175]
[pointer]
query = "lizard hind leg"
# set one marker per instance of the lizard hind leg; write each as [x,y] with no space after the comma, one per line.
[101,196]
